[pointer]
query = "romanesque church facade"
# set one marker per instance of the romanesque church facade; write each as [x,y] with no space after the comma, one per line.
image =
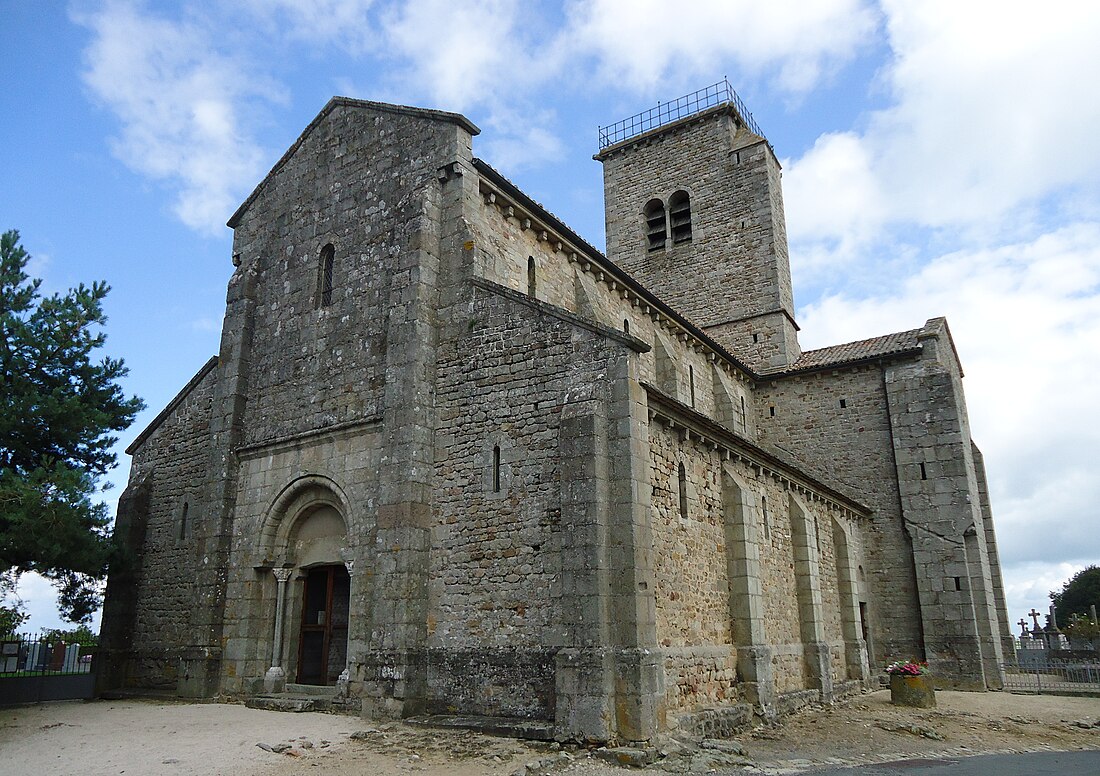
[450,458]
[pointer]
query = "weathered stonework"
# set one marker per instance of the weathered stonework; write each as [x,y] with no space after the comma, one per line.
[452,459]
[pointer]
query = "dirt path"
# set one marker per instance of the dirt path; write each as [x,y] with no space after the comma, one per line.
[158,738]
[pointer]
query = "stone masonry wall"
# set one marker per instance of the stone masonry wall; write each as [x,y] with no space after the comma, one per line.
[496,583]
[942,505]
[175,457]
[853,446]
[738,237]
[355,182]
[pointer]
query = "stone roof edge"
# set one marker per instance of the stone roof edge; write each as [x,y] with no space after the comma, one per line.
[932,328]
[177,400]
[332,104]
[678,412]
[561,314]
[609,266]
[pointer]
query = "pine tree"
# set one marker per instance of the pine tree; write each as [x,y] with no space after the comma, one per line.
[58,409]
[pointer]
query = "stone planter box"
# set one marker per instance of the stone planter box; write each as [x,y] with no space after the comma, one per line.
[915,691]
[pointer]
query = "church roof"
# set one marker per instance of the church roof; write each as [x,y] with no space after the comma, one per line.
[896,344]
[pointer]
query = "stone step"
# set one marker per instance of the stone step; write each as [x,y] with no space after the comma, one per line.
[320,690]
[509,727]
[288,702]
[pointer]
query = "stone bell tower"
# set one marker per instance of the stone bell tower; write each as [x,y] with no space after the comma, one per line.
[694,210]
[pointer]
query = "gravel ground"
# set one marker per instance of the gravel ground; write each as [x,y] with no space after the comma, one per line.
[156,737]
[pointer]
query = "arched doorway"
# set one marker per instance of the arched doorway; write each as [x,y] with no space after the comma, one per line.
[305,542]
[323,635]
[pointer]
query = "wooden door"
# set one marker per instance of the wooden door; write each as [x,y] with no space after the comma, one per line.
[323,638]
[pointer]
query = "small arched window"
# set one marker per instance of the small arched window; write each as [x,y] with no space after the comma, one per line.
[531,276]
[679,217]
[626,325]
[328,259]
[655,230]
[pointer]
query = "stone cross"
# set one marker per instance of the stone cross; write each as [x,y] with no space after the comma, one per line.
[1034,615]
[1023,626]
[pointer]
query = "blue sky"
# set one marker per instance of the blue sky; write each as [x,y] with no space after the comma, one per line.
[940,158]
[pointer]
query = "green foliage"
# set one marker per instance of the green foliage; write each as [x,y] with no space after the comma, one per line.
[12,614]
[1077,595]
[58,409]
[1081,627]
[81,634]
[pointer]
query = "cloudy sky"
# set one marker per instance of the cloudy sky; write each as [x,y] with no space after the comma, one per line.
[941,158]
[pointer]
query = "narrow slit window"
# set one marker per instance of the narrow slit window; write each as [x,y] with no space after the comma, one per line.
[958,583]
[496,469]
[764,517]
[923,472]
[683,482]
[328,260]
[771,411]
[530,276]
[679,217]
[655,230]
[185,529]
[691,383]
[755,338]
[744,417]
[626,326]
[843,403]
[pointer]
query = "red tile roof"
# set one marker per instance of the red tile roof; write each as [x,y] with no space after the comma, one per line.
[901,342]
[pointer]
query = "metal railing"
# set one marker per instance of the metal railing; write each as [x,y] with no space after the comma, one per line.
[681,107]
[1053,676]
[30,655]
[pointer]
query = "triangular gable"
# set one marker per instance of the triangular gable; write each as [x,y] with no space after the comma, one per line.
[382,107]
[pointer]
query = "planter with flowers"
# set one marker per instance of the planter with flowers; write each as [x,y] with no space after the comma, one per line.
[911,684]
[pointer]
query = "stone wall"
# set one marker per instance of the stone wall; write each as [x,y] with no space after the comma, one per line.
[496,579]
[171,465]
[853,445]
[355,181]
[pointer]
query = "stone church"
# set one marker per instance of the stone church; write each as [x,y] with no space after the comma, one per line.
[451,459]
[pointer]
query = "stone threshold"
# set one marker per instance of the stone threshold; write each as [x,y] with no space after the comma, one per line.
[507,727]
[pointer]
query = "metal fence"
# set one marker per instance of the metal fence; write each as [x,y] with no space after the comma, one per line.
[45,667]
[681,107]
[1053,676]
[22,654]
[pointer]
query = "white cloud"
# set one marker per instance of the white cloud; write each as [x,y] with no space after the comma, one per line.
[987,117]
[1029,585]
[344,22]
[835,194]
[465,54]
[180,103]
[642,43]
[1026,319]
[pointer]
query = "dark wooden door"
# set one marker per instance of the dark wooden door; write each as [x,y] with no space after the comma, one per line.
[323,639]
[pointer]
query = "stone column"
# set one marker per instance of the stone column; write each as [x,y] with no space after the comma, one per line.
[344,679]
[275,678]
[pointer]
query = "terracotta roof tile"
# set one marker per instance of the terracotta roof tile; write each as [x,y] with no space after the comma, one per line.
[875,347]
